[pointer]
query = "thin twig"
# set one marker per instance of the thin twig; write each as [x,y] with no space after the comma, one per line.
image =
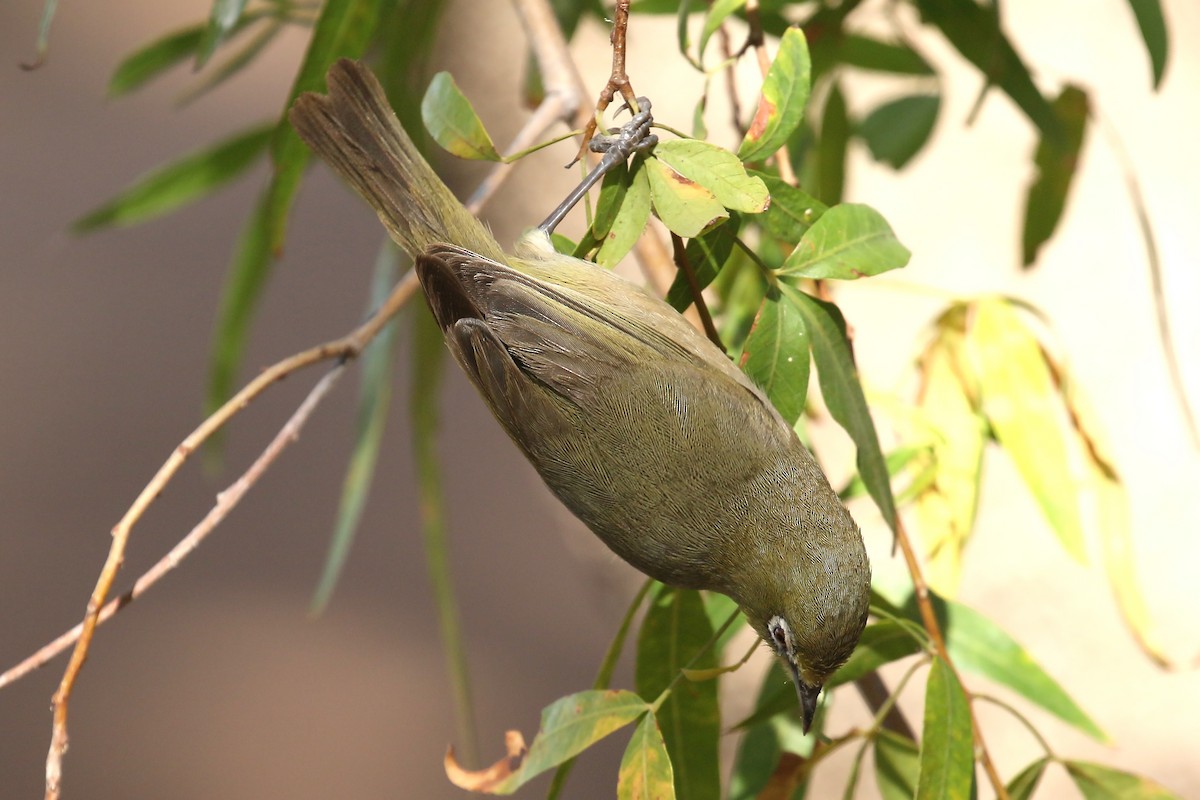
[735,102]
[929,619]
[1154,267]
[618,78]
[189,543]
[345,348]
[685,265]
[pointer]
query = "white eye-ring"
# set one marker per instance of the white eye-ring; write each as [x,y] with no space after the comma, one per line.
[781,635]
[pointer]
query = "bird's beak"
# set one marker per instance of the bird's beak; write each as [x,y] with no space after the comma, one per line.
[808,699]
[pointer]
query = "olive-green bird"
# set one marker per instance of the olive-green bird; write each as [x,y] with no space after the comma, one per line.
[639,424]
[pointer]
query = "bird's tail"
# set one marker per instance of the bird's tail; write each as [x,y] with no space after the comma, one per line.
[355,131]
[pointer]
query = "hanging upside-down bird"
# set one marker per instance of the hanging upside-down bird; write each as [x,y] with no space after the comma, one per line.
[640,425]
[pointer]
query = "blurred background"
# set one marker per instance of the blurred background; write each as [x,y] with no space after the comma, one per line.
[218,684]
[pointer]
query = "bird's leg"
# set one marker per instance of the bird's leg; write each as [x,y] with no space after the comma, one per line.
[617,146]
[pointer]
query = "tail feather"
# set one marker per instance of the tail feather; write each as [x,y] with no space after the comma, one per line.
[355,131]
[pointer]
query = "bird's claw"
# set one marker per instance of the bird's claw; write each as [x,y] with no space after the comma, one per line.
[632,137]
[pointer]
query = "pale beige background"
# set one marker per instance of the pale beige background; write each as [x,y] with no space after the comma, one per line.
[217,685]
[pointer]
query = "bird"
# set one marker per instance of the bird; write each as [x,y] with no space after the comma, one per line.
[640,425]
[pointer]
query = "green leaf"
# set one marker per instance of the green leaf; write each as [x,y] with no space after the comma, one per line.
[428,363]
[1098,782]
[569,726]
[897,130]
[167,188]
[781,104]
[848,241]
[222,19]
[776,356]
[867,53]
[49,7]
[236,62]
[375,393]
[675,629]
[342,29]
[148,62]
[603,677]
[1149,15]
[718,12]
[881,643]
[717,170]
[843,393]
[1025,783]
[645,772]
[976,644]
[792,211]
[684,206]
[831,146]
[975,32]
[1056,164]
[947,741]
[627,216]
[708,254]
[946,507]
[451,120]
[1026,413]
[897,765]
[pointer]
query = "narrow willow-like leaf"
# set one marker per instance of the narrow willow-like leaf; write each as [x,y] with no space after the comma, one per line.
[155,58]
[1026,413]
[49,7]
[843,393]
[897,130]
[831,146]
[976,644]
[629,216]
[375,393]
[569,726]
[1153,27]
[188,179]
[674,631]
[947,741]
[1098,782]
[897,765]
[1056,164]
[222,19]
[947,505]
[604,677]
[451,120]
[867,53]
[428,359]
[781,104]
[717,170]
[975,31]
[792,212]
[342,29]
[849,241]
[718,12]
[1026,781]
[776,356]
[684,206]
[645,772]
[235,63]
